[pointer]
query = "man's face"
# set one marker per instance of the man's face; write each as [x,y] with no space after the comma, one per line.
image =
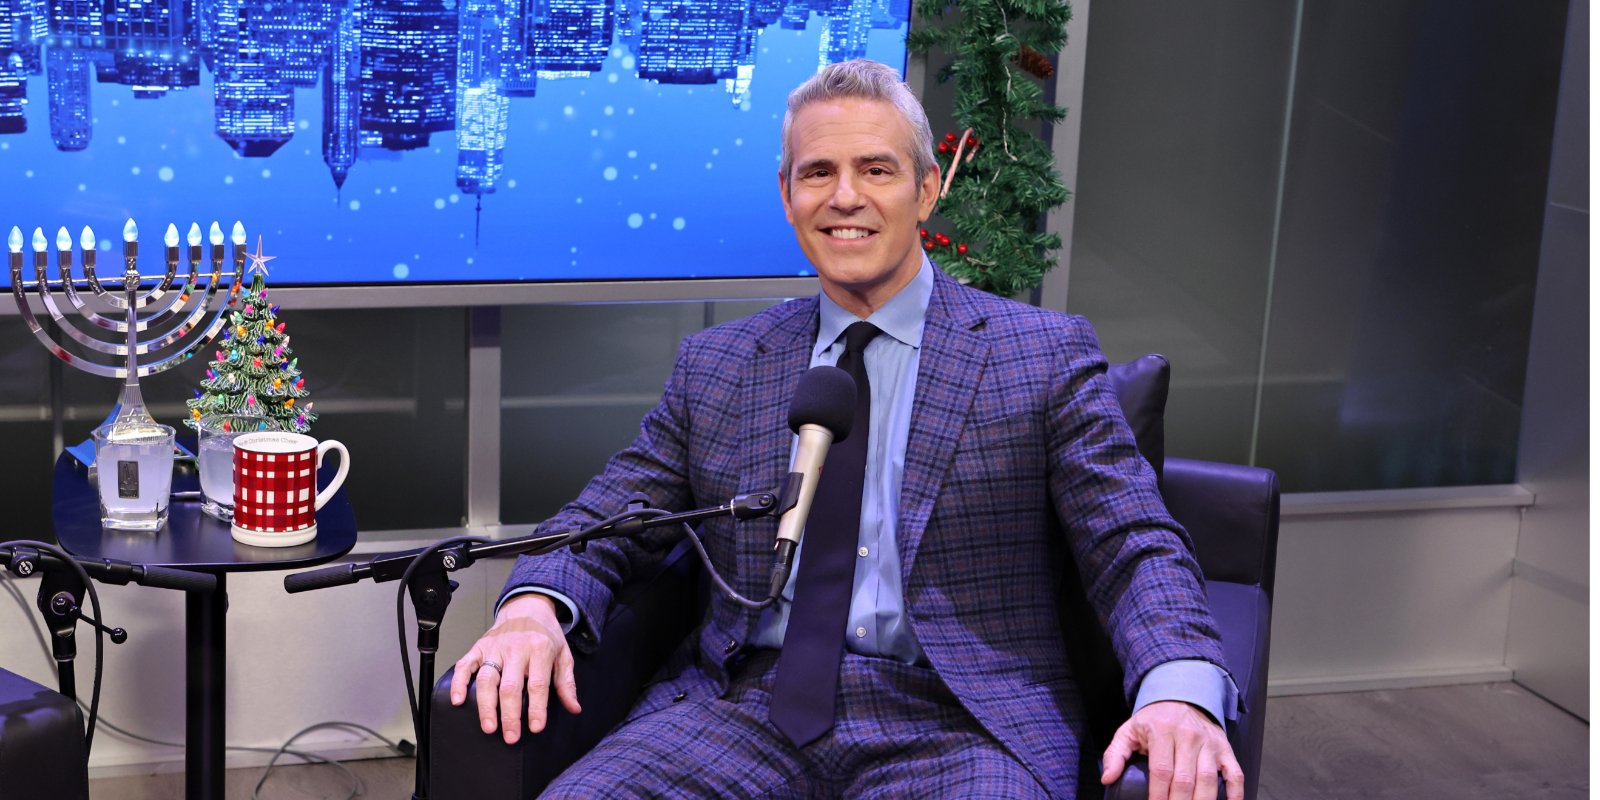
[854,200]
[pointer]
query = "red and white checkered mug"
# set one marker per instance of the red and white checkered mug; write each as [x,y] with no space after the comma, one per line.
[275,497]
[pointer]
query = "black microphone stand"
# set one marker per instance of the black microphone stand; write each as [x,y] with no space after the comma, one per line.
[61,591]
[425,572]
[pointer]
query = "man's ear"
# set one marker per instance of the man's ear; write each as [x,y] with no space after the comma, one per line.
[783,191]
[928,197]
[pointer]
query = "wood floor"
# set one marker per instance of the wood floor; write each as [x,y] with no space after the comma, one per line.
[1481,742]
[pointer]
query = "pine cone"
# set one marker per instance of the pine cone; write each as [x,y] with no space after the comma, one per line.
[1036,63]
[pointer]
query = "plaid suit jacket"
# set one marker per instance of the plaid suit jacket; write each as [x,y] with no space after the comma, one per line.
[1017,449]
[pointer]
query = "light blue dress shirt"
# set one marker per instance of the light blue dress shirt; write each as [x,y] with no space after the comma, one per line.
[878,625]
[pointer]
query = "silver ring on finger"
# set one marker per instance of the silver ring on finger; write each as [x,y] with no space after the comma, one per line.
[491,663]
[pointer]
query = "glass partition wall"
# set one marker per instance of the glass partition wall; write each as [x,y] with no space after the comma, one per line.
[1328,215]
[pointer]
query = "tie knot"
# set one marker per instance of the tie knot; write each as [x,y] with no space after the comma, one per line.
[858,335]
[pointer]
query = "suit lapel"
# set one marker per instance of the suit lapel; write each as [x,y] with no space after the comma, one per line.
[781,356]
[954,351]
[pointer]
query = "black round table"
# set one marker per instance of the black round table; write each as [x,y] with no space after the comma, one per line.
[192,540]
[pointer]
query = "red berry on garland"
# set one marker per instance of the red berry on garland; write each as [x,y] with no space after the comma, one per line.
[944,147]
[961,248]
[949,137]
[927,245]
[923,232]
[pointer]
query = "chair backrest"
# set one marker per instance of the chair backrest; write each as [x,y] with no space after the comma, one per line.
[1141,386]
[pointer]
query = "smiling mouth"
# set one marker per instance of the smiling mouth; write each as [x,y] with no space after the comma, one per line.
[848,233]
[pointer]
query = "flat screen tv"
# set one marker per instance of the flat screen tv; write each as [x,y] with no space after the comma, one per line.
[375,142]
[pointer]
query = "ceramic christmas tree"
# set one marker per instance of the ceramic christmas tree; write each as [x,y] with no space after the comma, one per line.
[255,373]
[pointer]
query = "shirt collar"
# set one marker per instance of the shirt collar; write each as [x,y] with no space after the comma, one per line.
[902,317]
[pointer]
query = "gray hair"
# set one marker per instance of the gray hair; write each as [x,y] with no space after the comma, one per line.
[861,79]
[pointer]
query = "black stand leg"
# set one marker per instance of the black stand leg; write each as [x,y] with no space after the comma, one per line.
[430,597]
[206,700]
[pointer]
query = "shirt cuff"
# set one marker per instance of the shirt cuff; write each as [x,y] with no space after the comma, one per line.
[566,610]
[1199,683]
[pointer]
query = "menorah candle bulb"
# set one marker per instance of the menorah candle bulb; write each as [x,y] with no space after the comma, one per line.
[39,244]
[170,238]
[238,233]
[63,239]
[130,245]
[14,241]
[194,234]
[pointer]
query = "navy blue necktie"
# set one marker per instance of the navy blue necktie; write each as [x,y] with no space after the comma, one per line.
[808,666]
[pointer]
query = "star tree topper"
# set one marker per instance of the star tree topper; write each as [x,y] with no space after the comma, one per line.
[258,262]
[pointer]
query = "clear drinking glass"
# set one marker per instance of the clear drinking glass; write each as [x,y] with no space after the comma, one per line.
[217,432]
[134,465]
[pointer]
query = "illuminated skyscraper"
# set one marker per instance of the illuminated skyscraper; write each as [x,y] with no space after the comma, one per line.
[518,74]
[22,27]
[572,37]
[153,43]
[482,109]
[690,41]
[79,22]
[845,37]
[254,108]
[408,64]
[68,72]
[341,93]
[294,36]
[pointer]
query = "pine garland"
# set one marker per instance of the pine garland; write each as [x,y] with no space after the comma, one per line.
[1005,180]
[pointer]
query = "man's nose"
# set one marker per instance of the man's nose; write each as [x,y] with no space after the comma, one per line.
[845,197]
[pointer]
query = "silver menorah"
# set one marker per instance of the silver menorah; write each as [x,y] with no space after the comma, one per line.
[132,346]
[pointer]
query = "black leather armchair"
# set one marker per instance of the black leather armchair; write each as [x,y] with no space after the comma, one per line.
[1230,511]
[42,751]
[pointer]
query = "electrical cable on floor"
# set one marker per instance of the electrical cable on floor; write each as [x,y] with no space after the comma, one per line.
[357,786]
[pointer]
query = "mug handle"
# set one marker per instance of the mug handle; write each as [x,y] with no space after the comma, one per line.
[338,479]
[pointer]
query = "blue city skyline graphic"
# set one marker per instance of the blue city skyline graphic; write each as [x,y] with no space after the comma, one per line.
[375,141]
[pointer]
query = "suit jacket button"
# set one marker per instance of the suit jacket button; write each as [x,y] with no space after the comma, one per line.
[732,645]
[678,698]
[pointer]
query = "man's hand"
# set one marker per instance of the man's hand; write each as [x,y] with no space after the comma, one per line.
[1186,749]
[527,644]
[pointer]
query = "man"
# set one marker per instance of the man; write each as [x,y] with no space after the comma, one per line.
[990,436]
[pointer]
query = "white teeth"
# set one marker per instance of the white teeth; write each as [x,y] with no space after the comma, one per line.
[849,233]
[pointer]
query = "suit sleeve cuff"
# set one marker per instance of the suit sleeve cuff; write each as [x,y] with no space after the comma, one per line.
[1198,683]
[566,610]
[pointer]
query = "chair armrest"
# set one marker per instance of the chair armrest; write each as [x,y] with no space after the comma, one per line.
[1134,783]
[650,617]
